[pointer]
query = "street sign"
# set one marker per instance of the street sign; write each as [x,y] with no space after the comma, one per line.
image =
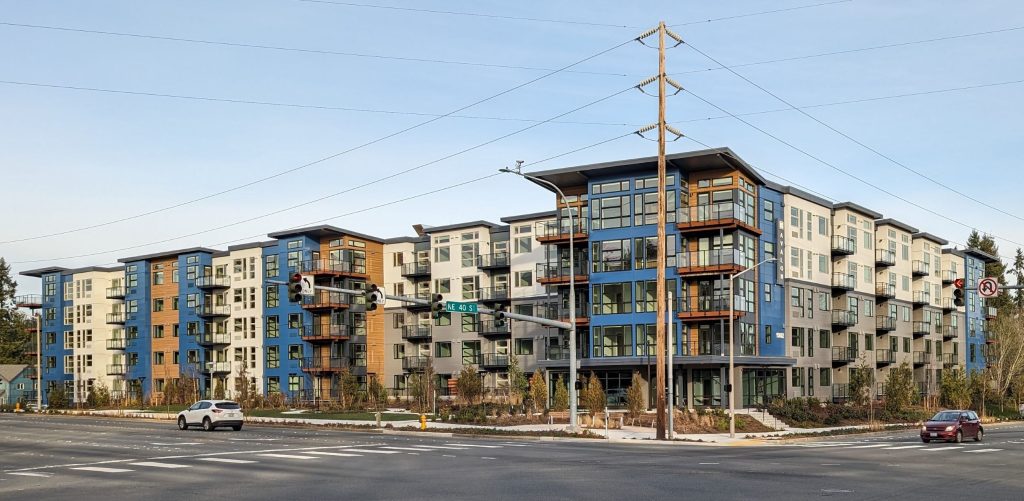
[307,285]
[381,298]
[988,287]
[457,307]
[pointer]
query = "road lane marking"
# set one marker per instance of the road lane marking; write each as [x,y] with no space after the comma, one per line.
[707,463]
[179,443]
[227,460]
[287,456]
[406,449]
[830,464]
[439,447]
[253,439]
[941,449]
[32,474]
[485,457]
[372,451]
[160,465]
[476,445]
[868,446]
[329,453]
[902,447]
[101,469]
[984,450]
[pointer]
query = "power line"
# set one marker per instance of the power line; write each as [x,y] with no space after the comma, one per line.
[338,193]
[857,141]
[738,16]
[469,14]
[291,49]
[850,51]
[288,105]
[321,160]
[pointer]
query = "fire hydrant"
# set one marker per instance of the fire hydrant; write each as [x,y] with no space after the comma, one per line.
[423,421]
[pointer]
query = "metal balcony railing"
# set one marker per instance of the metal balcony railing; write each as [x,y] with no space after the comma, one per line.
[843,245]
[213,282]
[843,354]
[324,332]
[116,318]
[922,328]
[884,356]
[949,360]
[325,364]
[213,338]
[843,281]
[885,257]
[495,260]
[115,293]
[29,301]
[949,332]
[948,276]
[922,358]
[327,299]
[416,269]
[501,293]
[415,363]
[488,328]
[714,213]
[922,297]
[330,267]
[947,304]
[921,268]
[885,324]
[553,271]
[712,258]
[117,344]
[493,360]
[211,310]
[115,369]
[559,230]
[416,332]
[885,290]
[218,367]
[844,318]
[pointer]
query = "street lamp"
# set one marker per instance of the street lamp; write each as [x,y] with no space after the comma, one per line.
[732,347]
[572,289]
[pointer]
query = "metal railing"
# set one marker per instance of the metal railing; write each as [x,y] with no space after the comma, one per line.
[922,328]
[210,310]
[922,358]
[884,356]
[210,282]
[489,328]
[561,228]
[949,332]
[28,301]
[883,289]
[325,363]
[416,332]
[115,369]
[885,323]
[947,303]
[556,271]
[885,257]
[843,281]
[326,299]
[324,331]
[921,268]
[500,293]
[843,245]
[213,338]
[948,276]
[716,304]
[714,213]
[415,363]
[413,269]
[117,343]
[494,359]
[115,293]
[315,266]
[217,367]
[714,257]
[949,359]
[922,297]
[844,317]
[116,318]
[843,354]
[494,260]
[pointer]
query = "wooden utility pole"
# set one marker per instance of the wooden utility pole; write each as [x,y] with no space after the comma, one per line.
[660,285]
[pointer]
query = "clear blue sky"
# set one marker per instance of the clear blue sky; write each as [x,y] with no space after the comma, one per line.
[72,158]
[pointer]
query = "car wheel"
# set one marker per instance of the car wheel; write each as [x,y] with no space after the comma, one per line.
[959,436]
[980,435]
[926,440]
[182,425]
[207,424]
[237,427]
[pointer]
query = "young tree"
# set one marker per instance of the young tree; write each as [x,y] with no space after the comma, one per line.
[860,382]
[349,389]
[593,395]
[14,334]
[518,384]
[900,389]
[218,389]
[469,384]
[538,392]
[378,394]
[57,398]
[1005,358]
[956,392]
[635,396]
[561,403]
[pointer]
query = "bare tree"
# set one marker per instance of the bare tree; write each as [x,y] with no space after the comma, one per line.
[1005,358]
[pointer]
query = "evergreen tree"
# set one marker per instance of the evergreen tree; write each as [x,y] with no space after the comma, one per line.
[14,334]
[561,403]
[635,396]
[1018,273]
[538,392]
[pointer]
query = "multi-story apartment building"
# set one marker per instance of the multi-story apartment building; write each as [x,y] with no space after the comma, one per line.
[837,289]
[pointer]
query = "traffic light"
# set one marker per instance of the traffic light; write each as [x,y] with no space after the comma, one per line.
[373,296]
[437,306]
[958,292]
[499,316]
[295,288]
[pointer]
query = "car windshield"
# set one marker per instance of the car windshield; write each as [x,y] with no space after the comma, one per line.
[946,416]
[227,405]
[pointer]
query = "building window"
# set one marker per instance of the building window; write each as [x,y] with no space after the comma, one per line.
[273,357]
[273,384]
[524,279]
[294,352]
[645,253]
[158,278]
[613,341]
[610,255]
[524,347]
[646,205]
[294,383]
[443,349]
[158,358]
[443,319]
[158,331]
[470,352]
[610,212]
[469,252]
[158,304]
[769,210]
[469,323]
[767,334]
[399,351]
[611,187]
[273,296]
[273,328]
[613,298]
[470,287]
[294,320]
[442,255]
[825,377]
[523,245]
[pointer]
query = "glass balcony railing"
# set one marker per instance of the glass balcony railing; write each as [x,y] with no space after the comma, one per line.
[495,260]
[921,268]
[416,269]
[843,245]
[843,281]
[885,257]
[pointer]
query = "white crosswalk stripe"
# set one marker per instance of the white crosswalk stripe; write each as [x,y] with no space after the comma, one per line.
[372,451]
[868,446]
[329,453]
[101,469]
[901,447]
[415,449]
[32,474]
[153,464]
[983,450]
[940,449]
[287,456]
[440,447]
[478,445]
[227,460]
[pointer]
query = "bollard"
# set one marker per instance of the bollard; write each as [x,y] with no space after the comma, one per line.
[17,406]
[423,421]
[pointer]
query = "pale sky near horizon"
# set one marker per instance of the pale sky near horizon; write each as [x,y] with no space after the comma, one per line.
[73,158]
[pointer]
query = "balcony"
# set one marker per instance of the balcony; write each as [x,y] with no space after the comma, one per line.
[557,312]
[948,276]
[213,282]
[922,328]
[843,246]
[841,355]
[726,216]
[711,262]
[213,310]
[495,294]
[884,257]
[925,389]
[700,308]
[885,291]
[990,313]
[557,232]
[325,333]
[423,296]
[410,270]
[416,333]
[31,301]
[884,356]
[321,365]
[115,293]
[921,268]
[884,324]
[494,360]
[118,343]
[843,281]
[210,339]
[117,318]
[490,329]
[949,360]
[922,298]
[554,274]
[844,318]
[115,369]
[331,267]
[218,367]
[700,347]
[493,261]
[949,333]
[921,358]
[326,300]
[415,363]
[840,393]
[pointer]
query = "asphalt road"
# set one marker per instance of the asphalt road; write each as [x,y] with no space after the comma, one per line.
[86,458]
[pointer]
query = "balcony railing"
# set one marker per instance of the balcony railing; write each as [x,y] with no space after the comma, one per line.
[325,364]
[948,333]
[557,353]
[714,216]
[558,312]
[115,369]
[327,299]
[212,310]
[925,389]
[495,260]
[885,290]
[949,359]
[415,363]
[843,355]
[119,343]
[214,338]
[990,312]
[696,307]
[554,231]
[922,328]
[922,297]
[416,332]
[416,269]
[947,304]
[921,268]
[116,318]
[843,281]
[553,272]
[216,367]
[885,324]
[844,318]
[488,328]
[213,282]
[712,261]
[115,293]
[885,257]
[33,301]
[884,356]
[948,276]
[922,358]
[501,293]
[330,267]
[325,332]
[494,360]
[843,245]
[840,392]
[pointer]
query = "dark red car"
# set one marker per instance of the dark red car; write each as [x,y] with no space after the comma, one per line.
[953,426]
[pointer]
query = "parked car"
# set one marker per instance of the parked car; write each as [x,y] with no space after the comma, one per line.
[211,414]
[953,425]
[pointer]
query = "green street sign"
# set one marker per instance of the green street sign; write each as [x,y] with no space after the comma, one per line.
[457,307]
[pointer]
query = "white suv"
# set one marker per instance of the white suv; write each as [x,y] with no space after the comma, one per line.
[210,414]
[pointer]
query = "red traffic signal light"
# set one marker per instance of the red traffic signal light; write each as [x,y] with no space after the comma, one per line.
[295,288]
[958,283]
